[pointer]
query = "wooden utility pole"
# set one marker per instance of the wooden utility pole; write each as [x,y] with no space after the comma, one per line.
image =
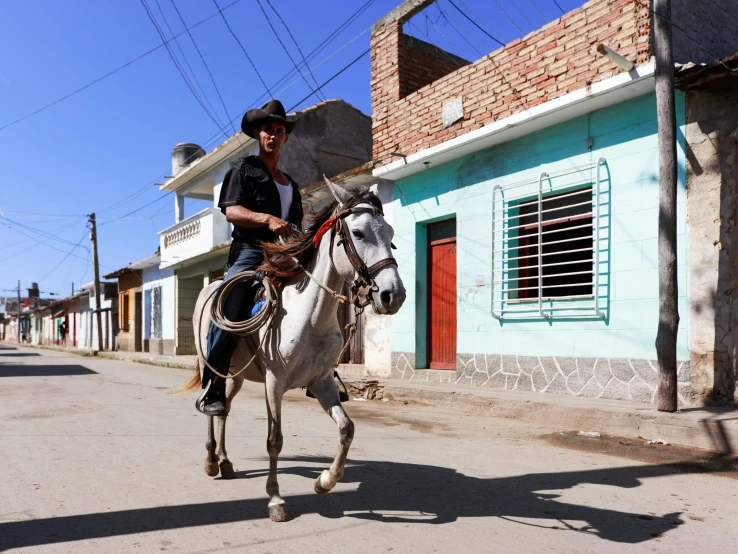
[18,317]
[96,268]
[666,336]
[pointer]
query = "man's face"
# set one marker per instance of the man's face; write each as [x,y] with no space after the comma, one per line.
[272,136]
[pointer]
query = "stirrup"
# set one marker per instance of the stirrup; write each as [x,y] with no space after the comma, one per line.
[200,400]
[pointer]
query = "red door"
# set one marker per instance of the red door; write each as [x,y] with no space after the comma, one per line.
[442,295]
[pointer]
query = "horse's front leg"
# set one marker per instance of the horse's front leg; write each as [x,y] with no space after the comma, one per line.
[226,467]
[274,392]
[326,392]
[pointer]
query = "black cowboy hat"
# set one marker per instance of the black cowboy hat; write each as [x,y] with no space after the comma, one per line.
[273,110]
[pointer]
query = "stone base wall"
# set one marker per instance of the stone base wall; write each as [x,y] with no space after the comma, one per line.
[618,379]
[164,347]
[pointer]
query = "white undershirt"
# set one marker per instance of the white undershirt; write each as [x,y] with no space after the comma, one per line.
[285,196]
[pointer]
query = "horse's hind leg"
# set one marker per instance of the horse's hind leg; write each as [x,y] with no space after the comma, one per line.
[211,460]
[277,506]
[226,467]
[326,392]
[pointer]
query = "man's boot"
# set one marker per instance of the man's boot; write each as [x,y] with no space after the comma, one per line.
[214,401]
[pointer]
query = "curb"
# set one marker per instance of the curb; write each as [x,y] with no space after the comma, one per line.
[714,429]
[145,360]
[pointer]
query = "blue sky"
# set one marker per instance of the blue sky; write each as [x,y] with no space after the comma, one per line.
[103,149]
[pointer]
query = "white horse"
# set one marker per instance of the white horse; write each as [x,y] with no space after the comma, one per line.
[344,242]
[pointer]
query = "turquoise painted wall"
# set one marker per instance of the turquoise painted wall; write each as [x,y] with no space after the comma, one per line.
[624,134]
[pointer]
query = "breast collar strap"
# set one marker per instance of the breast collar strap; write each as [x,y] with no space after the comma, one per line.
[363,285]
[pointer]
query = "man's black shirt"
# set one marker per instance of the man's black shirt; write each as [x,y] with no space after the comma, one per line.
[250,184]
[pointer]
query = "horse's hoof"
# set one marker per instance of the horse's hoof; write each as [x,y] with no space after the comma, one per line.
[319,488]
[226,470]
[211,468]
[279,513]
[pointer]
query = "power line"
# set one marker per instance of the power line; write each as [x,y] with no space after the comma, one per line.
[319,48]
[535,5]
[109,73]
[201,90]
[276,34]
[475,23]
[296,44]
[57,266]
[471,11]
[202,59]
[38,231]
[510,18]
[179,67]
[448,20]
[514,5]
[364,53]
[242,48]
[557,5]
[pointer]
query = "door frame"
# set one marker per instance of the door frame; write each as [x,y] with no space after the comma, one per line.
[429,297]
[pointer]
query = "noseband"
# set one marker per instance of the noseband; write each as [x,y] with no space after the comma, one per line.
[363,286]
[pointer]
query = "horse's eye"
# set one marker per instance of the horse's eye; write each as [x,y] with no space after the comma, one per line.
[357,234]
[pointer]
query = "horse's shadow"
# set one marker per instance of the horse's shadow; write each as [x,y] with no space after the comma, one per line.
[387,492]
[394,492]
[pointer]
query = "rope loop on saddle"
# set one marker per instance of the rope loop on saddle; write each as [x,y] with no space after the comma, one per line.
[249,326]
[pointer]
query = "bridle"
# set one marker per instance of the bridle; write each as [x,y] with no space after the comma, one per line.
[363,285]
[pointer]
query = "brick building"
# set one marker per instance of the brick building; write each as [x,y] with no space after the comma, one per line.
[524,199]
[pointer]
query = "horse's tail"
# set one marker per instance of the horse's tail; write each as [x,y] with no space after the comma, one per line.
[194,383]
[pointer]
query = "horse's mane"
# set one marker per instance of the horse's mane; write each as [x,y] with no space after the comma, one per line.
[278,256]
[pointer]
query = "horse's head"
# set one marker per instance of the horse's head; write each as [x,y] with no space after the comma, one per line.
[371,237]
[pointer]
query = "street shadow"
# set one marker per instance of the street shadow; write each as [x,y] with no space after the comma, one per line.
[713,424]
[19,354]
[8,347]
[389,492]
[13,370]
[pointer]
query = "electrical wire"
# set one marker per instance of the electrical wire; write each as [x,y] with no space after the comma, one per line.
[276,34]
[289,32]
[479,18]
[242,48]
[475,23]
[181,71]
[508,16]
[58,265]
[557,5]
[108,74]
[514,5]
[196,81]
[207,68]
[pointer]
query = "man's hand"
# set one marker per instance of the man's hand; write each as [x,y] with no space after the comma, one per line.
[280,227]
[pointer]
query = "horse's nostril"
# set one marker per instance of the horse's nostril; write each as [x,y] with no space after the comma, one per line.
[386,297]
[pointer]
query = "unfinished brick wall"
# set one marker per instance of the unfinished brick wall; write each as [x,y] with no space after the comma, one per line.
[420,64]
[548,63]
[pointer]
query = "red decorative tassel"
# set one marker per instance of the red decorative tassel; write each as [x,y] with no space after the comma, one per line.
[327,226]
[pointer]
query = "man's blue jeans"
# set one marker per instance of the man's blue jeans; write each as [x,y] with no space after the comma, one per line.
[221,344]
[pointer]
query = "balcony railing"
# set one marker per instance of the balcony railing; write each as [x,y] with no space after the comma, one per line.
[193,236]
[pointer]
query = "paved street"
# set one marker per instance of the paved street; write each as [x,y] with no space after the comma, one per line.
[97,456]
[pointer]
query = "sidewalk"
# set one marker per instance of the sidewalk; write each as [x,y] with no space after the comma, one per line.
[709,428]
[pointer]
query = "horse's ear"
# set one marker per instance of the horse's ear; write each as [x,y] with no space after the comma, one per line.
[374,189]
[340,194]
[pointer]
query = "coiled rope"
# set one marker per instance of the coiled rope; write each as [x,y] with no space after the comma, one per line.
[246,328]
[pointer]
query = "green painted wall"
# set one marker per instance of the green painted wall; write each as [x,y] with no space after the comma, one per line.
[626,136]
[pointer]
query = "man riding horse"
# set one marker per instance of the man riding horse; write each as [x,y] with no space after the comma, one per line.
[263,203]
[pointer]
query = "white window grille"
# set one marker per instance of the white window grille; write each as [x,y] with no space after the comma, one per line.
[546,245]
